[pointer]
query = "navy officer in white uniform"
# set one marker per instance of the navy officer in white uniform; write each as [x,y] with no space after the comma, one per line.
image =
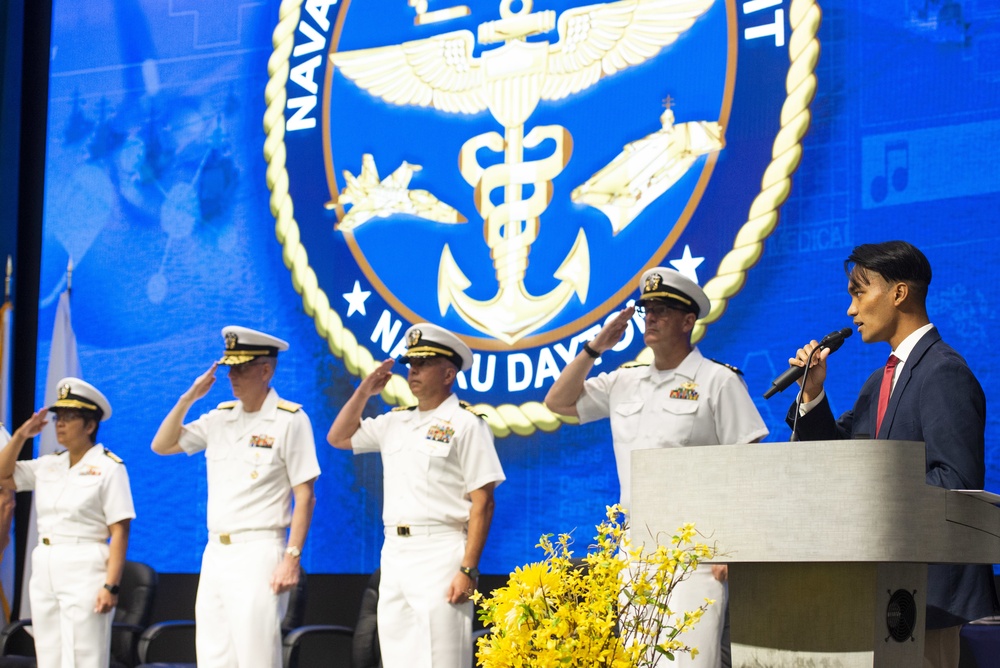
[82,498]
[440,468]
[260,456]
[683,399]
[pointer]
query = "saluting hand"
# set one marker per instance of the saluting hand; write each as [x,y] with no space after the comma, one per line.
[613,331]
[33,426]
[203,383]
[376,381]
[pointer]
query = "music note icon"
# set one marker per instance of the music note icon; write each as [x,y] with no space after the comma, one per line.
[896,167]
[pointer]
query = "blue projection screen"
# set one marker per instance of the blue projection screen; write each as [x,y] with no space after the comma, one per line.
[331,172]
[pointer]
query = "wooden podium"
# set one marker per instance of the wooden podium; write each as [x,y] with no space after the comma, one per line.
[828,542]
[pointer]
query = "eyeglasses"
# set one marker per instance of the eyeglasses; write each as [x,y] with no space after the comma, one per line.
[655,309]
[66,415]
[239,369]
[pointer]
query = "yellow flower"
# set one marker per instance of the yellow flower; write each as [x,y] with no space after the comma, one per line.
[563,613]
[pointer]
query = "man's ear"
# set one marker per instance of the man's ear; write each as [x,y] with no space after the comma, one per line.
[900,292]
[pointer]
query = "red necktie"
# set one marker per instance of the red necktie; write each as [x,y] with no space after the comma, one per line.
[885,390]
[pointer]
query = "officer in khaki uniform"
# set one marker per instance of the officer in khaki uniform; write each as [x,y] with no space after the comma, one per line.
[681,400]
[260,455]
[440,468]
[82,498]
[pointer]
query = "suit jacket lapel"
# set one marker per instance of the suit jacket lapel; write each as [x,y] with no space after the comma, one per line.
[923,345]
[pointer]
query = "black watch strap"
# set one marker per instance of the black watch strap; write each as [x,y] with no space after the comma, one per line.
[473,572]
[114,589]
[590,351]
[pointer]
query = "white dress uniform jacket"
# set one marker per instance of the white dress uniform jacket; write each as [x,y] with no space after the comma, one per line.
[74,506]
[701,402]
[253,460]
[431,460]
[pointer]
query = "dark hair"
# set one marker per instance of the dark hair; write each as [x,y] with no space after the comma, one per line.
[894,261]
[95,417]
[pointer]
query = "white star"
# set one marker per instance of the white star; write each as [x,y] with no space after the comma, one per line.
[356,300]
[688,265]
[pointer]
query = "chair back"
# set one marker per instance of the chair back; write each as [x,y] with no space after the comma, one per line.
[295,616]
[134,610]
[365,649]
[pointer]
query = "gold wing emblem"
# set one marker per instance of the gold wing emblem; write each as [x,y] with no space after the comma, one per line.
[597,41]
[438,72]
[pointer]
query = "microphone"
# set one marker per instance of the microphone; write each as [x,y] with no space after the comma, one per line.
[831,341]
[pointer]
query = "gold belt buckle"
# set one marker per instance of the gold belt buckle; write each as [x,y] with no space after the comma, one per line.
[225,539]
[402,530]
[45,541]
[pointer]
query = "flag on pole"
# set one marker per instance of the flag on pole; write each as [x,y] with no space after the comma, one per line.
[6,498]
[63,362]
[6,540]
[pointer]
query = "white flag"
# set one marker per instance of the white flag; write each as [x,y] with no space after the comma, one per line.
[6,527]
[7,501]
[63,362]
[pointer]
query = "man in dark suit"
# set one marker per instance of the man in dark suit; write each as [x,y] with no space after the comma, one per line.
[926,392]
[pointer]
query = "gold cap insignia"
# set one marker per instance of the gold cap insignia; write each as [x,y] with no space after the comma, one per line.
[413,338]
[64,391]
[231,340]
[653,282]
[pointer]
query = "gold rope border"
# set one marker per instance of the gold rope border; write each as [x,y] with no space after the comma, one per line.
[804,16]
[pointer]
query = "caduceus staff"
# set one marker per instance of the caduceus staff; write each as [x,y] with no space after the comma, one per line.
[595,41]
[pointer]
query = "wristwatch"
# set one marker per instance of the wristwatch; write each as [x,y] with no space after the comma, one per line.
[473,572]
[114,589]
[293,551]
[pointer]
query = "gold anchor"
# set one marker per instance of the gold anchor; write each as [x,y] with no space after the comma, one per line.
[441,72]
[512,227]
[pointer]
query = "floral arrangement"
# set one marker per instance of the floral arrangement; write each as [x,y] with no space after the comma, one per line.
[610,609]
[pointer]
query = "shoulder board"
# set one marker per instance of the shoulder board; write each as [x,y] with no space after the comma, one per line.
[728,366]
[226,406]
[289,406]
[633,365]
[469,407]
[404,408]
[112,456]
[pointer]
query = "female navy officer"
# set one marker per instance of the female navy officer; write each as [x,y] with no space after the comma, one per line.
[82,497]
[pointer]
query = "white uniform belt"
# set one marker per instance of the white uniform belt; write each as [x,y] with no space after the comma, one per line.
[245,536]
[54,539]
[422,529]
